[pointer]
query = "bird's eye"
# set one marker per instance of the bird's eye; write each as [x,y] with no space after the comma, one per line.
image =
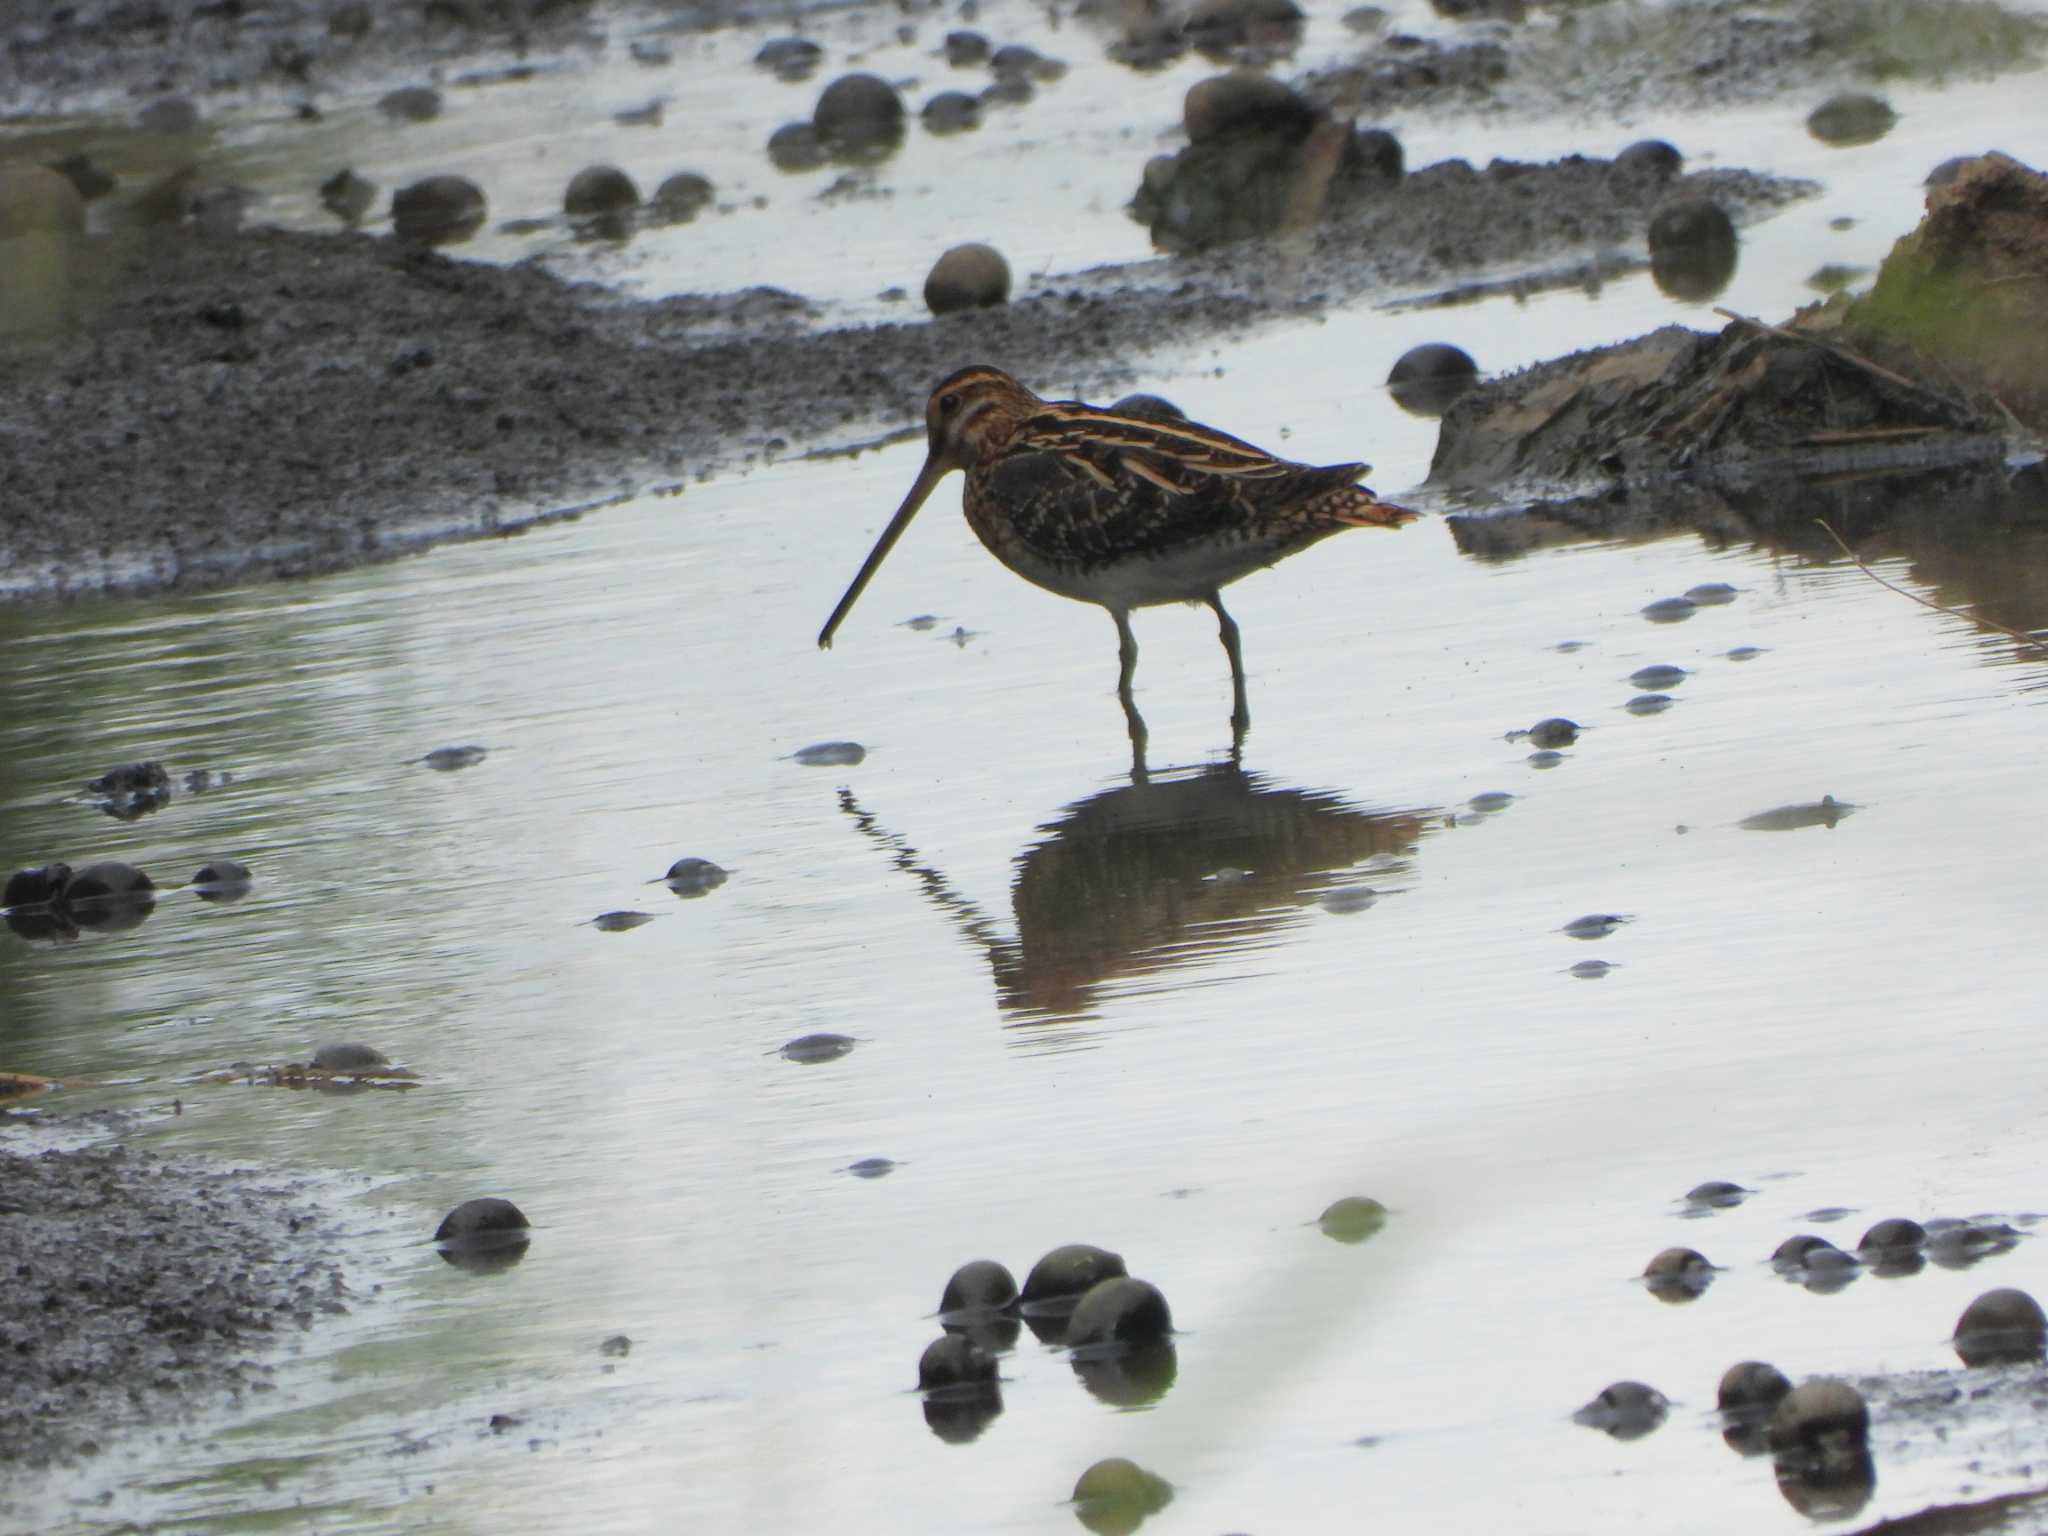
[948,404]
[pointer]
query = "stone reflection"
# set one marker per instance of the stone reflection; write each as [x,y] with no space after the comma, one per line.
[1156,874]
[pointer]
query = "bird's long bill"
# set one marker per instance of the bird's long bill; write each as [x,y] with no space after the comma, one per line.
[933,472]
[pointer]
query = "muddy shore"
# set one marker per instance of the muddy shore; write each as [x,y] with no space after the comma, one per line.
[144,1289]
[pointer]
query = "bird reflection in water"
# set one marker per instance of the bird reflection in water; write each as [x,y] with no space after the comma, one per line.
[1159,873]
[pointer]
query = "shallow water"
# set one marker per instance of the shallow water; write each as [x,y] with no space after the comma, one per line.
[1084,1009]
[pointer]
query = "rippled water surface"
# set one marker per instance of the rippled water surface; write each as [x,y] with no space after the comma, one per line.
[1158,1015]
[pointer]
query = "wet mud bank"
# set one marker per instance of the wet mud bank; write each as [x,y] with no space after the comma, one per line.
[227,406]
[1930,391]
[144,1289]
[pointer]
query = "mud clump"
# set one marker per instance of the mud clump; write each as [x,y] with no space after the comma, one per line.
[144,1282]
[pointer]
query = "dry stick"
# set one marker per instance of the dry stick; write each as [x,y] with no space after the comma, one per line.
[1975,618]
[1835,348]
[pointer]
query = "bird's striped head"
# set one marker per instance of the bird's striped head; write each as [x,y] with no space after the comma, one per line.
[973,413]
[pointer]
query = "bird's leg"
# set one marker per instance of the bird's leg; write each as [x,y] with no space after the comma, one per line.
[1240,711]
[1127,659]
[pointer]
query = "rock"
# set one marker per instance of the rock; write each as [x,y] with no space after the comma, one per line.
[1149,408]
[1823,1417]
[971,276]
[598,190]
[1215,25]
[85,175]
[352,1057]
[481,1221]
[1245,102]
[1895,1235]
[1692,249]
[1669,610]
[790,58]
[129,778]
[1660,676]
[109,881]
[966,48]
[1678,1274]
[1940,176]
[1717,1194]
[1352,1219]
[2001,1327]
[831,754]
[441,210]
[692,877]
[1555,731]
[38,201]
[454,759]
[954,1361]
[1807,1251]
[219,878]
[1751,1387]
[1851,118]
[810,1050]
[1068,1271]
[621,922]
[858,116]
[411,104]
[796,147]
[1627,1410]
[171,116]
[37,887]
[1013,91]
[682,196]
[1116,1495]
[1426,380]
[1650,160]
[1016,62]
[981,1285]
[1119,1310]
[347,196]
[951,112]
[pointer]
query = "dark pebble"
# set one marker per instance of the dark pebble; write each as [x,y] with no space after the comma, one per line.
[1627,1410]
[484,1217]
[1069,1270]
[110,880]
[682,196]
[35,887]
[1553,732]
[1852,118]
[1658,678]
[1245,101]
[693,877]
[980,1285]
[1717,1194]
[131,778]
[872,1168]
[970,276]
[411,104]
[832,754]
[1745,653]
[1593,970]
[347,196]
[441,210]
[1119,1310]
[1679,1268]
[1649,703]
[966,48]
[1894,1235]
[1352,1219]
[809,1050]
[597,190]
[350,1057]
[1427,380]
[2001,1327]
[1819,1415]
[1711,594]
[951,112]
[796,147]
[953,1360]
[857,114]
[1693,249]
[1014,61]
[1650,160]
[1750,1387]
[1807,1252]
[1594,925]
[1149,408]
[1117,1495]
[1348,899]
[1545,759]
[1670,610]
[620,922]
[790,58]
[1491,801]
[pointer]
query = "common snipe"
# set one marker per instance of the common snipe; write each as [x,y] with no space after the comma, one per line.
[1122,510]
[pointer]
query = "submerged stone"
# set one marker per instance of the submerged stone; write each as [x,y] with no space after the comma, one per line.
[620,922]
[1678,1273]
[832,754]
[1492,801]
[1651,159]
[36,887]
[1658,678]
[1670,610]
[2001,1327]
[1427,380]
[1593,970]
[440,210]
[1119,1310]
[1118,1495]
[1820,1416]
[1553,732]
[1717,1194]
[980,1285]
[1750,1387]
[1649,703]
[111,880]
[485,1217]
[411,104]
[682,197]
[1895,1235]
[1712,594]
[858,116]
[809,1050]
[1352,1219]
[349,1056]
[1069,1270]
[953,1360]
[796,147]
[970,276]
[789,58]
[597,190]
[452,759]
[693,876]
[951,112]
[1693,249]
[1851,118]
[1347,899]
[1627,1410]
[1594,925]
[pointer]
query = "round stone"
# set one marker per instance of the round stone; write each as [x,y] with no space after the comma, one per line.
[1692,249]
[981,1285]
[810,1050]
[683,196]
[693,877]
[1718,1193]
[1425,380]
[1149,408]
[1553,732]
[971,276]
[1651,159]
[1070,1270]
[795,147]
[441,210]
[411,104]
[1119,1311]
[790,58]
[1352,1219]
[1750,1386]
[347,196]
[966,48]
[1819,1415]
[485,1217]
[1627,1410]
[598,190]
[1679,1264]
[111,879]
[349,1056]
[1245,102]
[951,112]
[1851,118]
[857,111]
[954,1361]
[2001,1327]
[1892,1236]
[1805,1251]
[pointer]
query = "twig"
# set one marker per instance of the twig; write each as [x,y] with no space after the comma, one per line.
[1836,348]
[1925,602]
